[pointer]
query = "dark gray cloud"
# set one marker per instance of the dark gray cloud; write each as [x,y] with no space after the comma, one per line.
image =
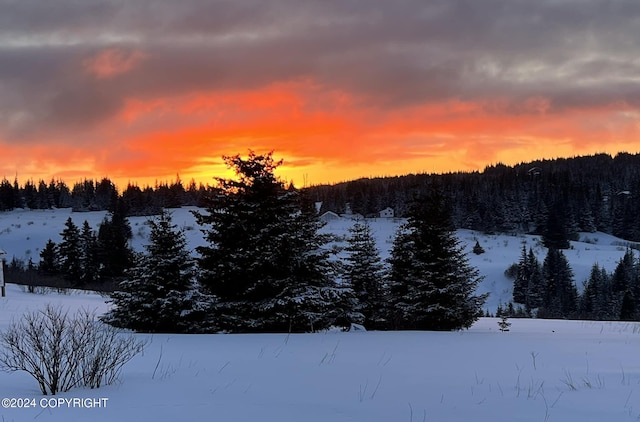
[388,54]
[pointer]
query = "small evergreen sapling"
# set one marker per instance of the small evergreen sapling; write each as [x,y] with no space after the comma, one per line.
[504,324]
[478,249]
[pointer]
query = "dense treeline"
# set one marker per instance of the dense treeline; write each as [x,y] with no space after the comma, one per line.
[588,193]
[93,195]
[547,289]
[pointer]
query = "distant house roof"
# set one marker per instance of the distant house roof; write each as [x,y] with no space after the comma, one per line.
[329,216]
[387,212]
[356,216]
[535,171]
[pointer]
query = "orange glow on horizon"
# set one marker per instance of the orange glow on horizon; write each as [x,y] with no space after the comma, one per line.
[323,135]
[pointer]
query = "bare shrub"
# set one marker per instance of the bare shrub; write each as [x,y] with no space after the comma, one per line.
[61,351]
[105,350]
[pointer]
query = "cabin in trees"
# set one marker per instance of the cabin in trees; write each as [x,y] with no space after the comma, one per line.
[387,213]
[329,216]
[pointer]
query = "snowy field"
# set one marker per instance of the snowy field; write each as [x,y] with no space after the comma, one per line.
[24,233]
[541,370]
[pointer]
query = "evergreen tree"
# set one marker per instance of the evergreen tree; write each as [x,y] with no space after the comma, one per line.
[8,196]
[536,284]
[628,308]
[622,278]
[114,253]
[105,195]
[61,194]
[43,197]
[556,234]
[432,284]
[89,264]
[528,285]
[265,262]
[585,218]
[560,296]
[176,194]
[364,273]
[596,300]
[624,286]
[159,293]
[504,324]
[478,249]
[30,195]
[49,258]
[69,253]
[521,282]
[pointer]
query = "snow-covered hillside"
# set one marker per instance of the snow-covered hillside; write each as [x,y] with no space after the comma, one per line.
[24,233]
[541,370]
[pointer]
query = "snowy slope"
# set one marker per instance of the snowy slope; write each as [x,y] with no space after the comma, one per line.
[502,250]
[542,370]
[24,233]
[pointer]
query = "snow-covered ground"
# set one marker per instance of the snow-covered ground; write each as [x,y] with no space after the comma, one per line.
[541,370]
[23,234]
[502,250]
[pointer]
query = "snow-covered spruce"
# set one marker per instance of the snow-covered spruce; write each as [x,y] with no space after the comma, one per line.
[364,272]
[432,283]
[265,261]
[159,293]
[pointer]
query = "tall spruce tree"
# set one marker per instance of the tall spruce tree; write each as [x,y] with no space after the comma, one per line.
[625,285]
[561,296]
[596,299]
[364,273]
[159,293]
[49,259]
[265,262]
[90,266]
[432,283]
[536,285]
[114,233]
[69,253]
[622,278]
[522,278]
[528,286]
[556,233]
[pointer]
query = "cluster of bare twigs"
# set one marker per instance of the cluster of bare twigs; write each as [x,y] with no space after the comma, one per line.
[63,351]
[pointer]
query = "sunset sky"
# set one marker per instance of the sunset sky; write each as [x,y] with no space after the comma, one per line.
[142,90]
